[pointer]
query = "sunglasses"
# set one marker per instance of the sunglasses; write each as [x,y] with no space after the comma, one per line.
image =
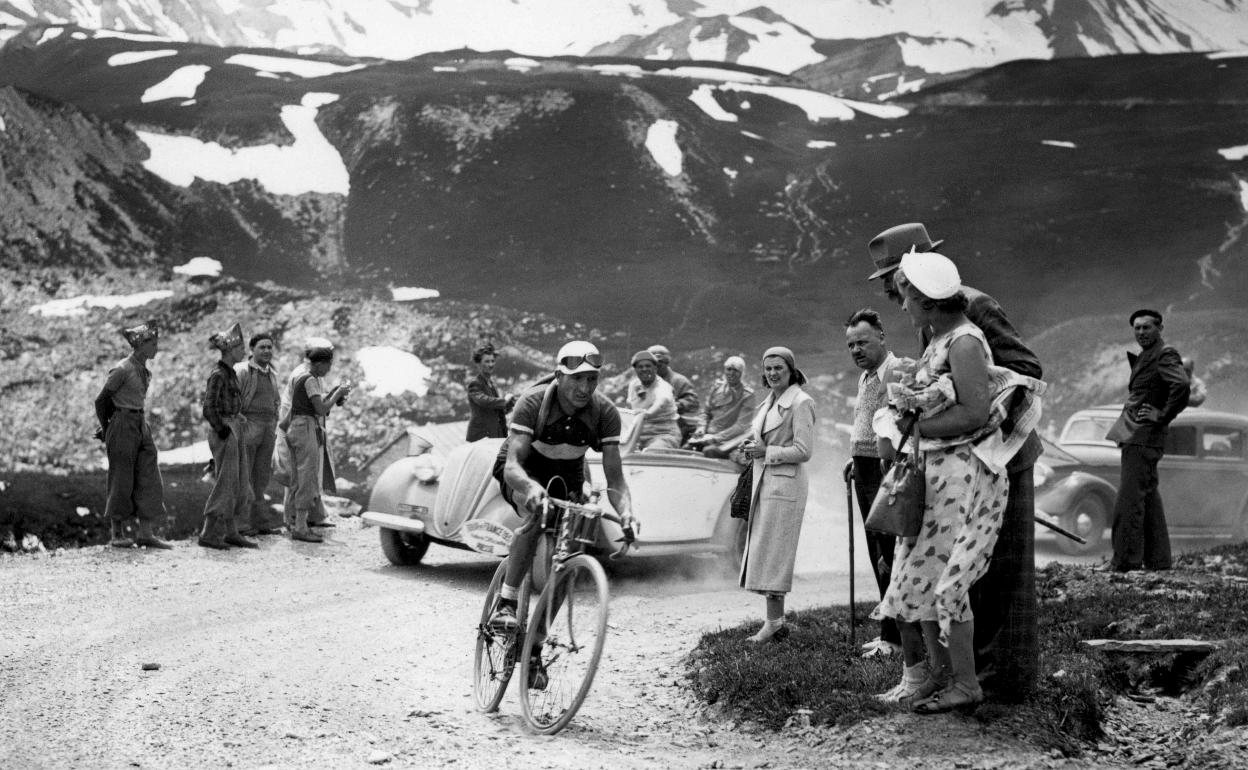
[572,362]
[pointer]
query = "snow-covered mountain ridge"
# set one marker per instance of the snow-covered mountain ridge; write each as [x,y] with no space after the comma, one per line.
[788,36]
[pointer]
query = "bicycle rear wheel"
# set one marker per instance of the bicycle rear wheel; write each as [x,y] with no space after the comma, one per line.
[564,644]
[494,656]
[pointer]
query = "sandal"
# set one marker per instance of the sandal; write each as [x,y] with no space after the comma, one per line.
[930,687]
[955,696]
[912,677]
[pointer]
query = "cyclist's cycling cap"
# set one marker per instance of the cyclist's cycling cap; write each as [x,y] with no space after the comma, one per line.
[578,356]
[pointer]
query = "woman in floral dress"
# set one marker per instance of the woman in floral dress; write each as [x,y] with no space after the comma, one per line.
[961,398]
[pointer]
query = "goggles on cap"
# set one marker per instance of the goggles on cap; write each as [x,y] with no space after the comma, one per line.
[572,362]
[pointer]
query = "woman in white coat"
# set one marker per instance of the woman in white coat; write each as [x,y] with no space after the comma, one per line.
[781,439]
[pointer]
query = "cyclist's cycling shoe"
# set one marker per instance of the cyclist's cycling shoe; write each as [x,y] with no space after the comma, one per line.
[538,678]
[504,619]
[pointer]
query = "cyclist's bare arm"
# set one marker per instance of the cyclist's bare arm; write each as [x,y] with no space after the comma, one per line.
[617,487]
[519,445]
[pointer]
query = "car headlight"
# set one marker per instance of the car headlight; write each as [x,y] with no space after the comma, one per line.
[1041,473]
[426,468]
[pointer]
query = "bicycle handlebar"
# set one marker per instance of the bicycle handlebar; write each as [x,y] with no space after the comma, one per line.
[630,538]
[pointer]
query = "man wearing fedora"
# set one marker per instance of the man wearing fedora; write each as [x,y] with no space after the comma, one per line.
[1004,599]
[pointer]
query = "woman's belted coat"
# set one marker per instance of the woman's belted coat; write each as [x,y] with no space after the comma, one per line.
[786,426]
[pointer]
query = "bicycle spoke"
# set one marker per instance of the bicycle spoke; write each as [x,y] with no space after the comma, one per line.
[574,616]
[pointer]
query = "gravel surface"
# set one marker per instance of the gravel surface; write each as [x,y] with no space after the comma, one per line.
[325,656]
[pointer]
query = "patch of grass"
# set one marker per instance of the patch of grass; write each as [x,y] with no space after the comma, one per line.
[817,674]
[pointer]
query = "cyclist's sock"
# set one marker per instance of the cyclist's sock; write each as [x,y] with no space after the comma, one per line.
[508,594]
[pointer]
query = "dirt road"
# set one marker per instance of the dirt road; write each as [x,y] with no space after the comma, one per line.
[325,656]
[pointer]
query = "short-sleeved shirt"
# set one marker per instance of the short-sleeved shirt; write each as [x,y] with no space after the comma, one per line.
[560,443]
[128,382]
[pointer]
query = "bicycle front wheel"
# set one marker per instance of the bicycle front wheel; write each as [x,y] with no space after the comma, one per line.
[564,644]
[494,656]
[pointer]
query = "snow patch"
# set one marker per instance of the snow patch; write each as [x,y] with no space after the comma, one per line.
[1059,143]
[628,70]
[409,293]
[303,68]
[75,306]
[661,142]
[393,372]
[134,57]
[195,454]
[200,266]
[310,164]
[731,172]
[820,144]
[711,73]
[776,46]
[521,64]
[446,69]
[181,84]
[715,49]
[1230,153]
[704,97]
[1227,55]
[1243,194]
[51,33]
[137,37]
[815,104]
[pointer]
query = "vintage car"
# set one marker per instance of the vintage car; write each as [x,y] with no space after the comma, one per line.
[1203,477]
[447,495]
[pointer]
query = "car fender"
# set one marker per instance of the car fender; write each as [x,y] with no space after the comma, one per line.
[397,492]
[1062,496]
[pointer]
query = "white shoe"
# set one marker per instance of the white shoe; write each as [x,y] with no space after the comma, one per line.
[880,648]
[912,678]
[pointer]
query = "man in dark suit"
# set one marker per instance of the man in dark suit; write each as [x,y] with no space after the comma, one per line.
[1004,599]
[488,417]
[1156,393]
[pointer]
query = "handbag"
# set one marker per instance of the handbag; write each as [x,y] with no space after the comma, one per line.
[742,496]
[898,505]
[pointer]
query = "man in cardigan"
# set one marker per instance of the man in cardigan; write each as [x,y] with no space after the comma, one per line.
[1156,393]
[1004,599]
[261,394]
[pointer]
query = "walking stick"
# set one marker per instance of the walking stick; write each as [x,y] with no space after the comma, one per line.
[849,506]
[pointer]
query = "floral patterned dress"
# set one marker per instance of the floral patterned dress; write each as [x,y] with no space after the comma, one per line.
[934,571]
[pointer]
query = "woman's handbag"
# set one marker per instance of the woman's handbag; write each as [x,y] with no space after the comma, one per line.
[743,494]
[898,506]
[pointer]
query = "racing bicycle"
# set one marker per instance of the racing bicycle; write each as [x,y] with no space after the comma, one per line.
[556,649]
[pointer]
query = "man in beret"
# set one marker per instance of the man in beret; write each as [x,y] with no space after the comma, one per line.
[682,389]
[1004,599]
[652,396]
[230,499]
[1157,391]
[136,495]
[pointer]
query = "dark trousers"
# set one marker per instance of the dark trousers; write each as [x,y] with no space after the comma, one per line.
[1140,536]
[136,495]
[868,473]
[1004,600]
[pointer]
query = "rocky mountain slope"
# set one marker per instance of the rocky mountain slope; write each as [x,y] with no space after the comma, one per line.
[872,47]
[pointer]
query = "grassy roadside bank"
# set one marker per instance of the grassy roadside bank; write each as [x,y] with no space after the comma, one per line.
[816,677]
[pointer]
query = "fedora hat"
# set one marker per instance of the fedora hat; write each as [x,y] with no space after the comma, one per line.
[890,246]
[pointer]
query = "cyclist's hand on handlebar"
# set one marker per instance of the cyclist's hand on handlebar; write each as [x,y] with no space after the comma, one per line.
[630,526]
[535,499]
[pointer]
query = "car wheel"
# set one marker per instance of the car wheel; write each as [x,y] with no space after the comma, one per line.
[1087,518]
[402,548]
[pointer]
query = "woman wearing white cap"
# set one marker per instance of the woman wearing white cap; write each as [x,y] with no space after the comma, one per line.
[960,397]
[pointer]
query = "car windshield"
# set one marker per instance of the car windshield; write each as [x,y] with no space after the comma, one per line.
[1088,430]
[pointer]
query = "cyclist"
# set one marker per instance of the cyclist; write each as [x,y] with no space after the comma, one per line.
[552,427]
